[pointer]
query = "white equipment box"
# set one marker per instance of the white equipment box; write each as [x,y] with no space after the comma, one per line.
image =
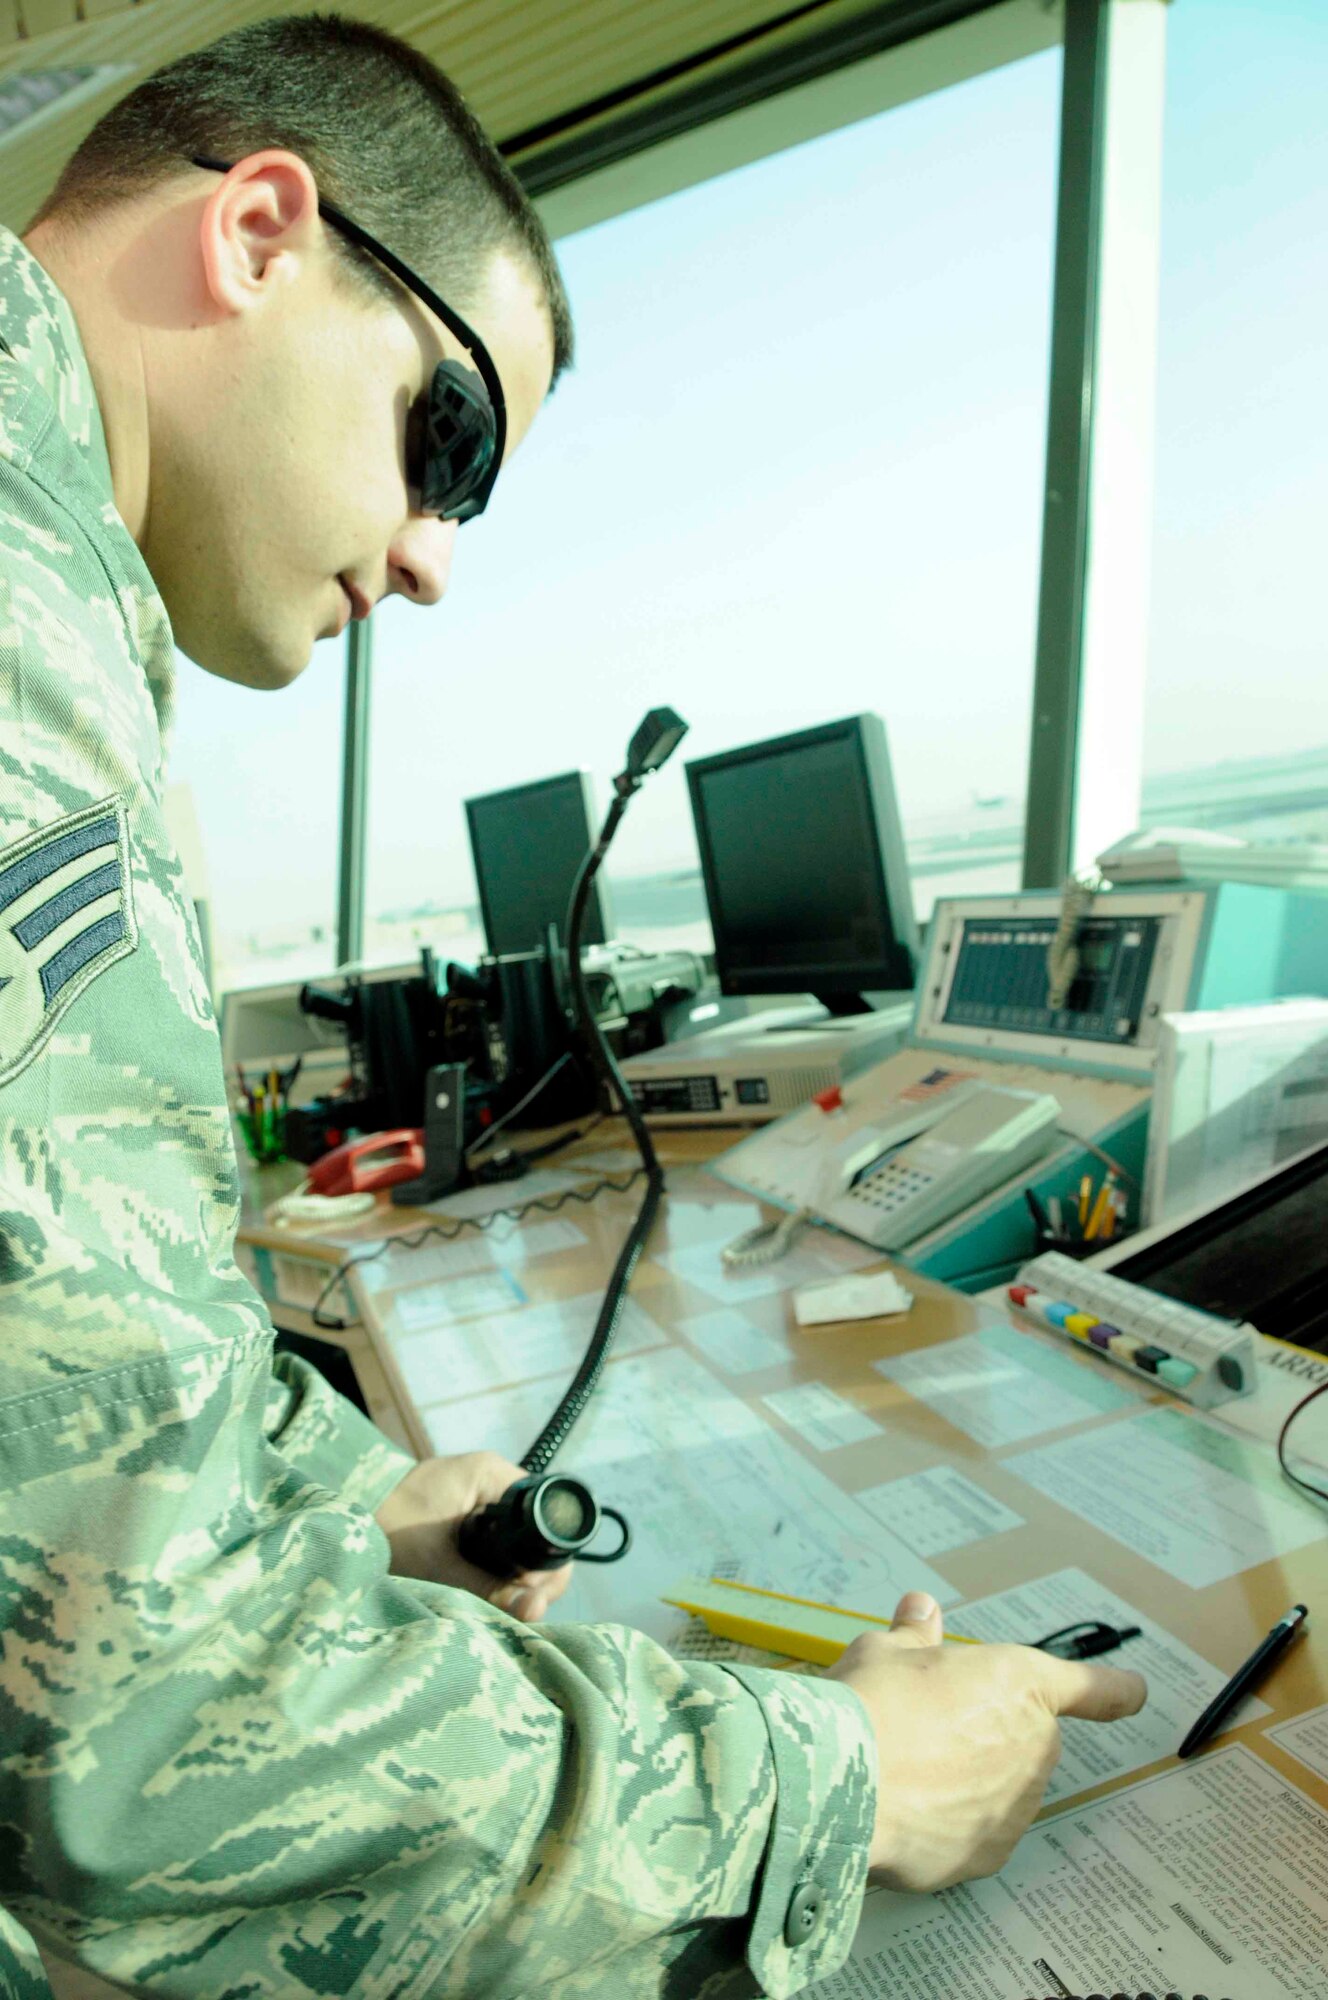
[750,1071]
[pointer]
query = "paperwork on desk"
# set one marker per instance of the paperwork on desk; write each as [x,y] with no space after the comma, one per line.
[496,1248]
[938,1510]
[444,1360]
[1200,1504]
[868,1295]
[1207,1879]
[491,1198]
[822,1416]
[1305,1737]
[711,1489]
[1284,1375]
[819,1256]
[1002,1386]
[733,1343]
[480,1295]
[1181,1683]
[613,1160]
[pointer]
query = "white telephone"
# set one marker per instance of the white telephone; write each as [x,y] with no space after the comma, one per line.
[889,1169]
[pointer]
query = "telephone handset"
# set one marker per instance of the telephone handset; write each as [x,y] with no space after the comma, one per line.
[379,1160]
[890,1169]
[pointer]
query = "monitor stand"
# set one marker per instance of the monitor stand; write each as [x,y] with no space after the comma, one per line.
[844,1003]
[832,1012]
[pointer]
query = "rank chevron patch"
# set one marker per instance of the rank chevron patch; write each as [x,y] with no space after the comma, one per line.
[66,914]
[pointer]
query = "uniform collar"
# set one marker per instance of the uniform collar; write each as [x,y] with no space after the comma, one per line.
[38,328]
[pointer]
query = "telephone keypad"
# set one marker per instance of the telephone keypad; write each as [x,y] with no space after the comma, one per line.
[891,1185]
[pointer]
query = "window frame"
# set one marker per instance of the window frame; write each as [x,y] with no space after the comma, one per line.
[1112,81]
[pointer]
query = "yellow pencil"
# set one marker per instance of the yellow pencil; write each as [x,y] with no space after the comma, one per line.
[1100,1207]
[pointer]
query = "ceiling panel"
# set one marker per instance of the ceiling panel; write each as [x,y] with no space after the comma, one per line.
[523,64]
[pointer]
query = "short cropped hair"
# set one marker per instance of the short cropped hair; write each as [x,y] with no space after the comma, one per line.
[388,138]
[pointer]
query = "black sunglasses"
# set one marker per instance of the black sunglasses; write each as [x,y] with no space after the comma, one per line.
[456,435]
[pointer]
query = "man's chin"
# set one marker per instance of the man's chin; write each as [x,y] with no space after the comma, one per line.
[251,666]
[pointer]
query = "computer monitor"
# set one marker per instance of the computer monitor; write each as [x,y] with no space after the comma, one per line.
[803,862]
[527,844]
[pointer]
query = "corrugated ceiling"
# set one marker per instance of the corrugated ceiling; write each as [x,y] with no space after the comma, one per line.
[525,65]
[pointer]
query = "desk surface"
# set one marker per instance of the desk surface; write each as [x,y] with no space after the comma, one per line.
[684,1435]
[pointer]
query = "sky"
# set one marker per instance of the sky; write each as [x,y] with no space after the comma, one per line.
[797,472]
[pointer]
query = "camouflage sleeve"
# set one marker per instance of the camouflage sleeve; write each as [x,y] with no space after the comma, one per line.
[332,1442]
[22,1974]
[239,1756]
[236,1754]
[824,1758]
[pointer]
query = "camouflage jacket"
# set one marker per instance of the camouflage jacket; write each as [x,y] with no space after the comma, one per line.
[238,1756]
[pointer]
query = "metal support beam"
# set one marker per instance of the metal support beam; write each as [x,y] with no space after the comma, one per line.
[1084,755]
[354,794]
[1049,815]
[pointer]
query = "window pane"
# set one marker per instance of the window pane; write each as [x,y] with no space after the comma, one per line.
[796,473]
[264,769]
[1236,727]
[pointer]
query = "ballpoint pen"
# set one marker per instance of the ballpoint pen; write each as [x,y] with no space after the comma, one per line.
[1245,1679]
[1041,1220]
[1087,1639]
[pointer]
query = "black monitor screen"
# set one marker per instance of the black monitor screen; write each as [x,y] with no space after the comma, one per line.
[527,845]
[1260,1255]
[803,863]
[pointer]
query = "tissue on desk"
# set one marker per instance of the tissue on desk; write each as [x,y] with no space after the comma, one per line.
[875,1296]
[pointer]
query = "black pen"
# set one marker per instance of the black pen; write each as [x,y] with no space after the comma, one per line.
[1041,1220]
[1245,1679]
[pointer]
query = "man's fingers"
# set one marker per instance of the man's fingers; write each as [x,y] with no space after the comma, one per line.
[917,1620]
[1093,1693]
[547,1584]
[513,1598]
[529,1595]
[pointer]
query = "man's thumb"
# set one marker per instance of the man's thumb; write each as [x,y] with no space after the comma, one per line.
[918,1618]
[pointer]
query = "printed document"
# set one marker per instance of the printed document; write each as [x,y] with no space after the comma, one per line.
[1199,1503]
[822,1416]
[1181,1683]
[733,1343]
[491,1198]
[1305,1738]
[495,1248]
[939,1510]
[440,1360]
[1001,1386]
[817,1257]
[710,1488]
[1209,1878]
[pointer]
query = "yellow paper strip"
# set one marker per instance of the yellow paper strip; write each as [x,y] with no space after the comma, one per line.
[767,1618]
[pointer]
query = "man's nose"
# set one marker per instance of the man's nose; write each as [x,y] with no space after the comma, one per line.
[419,561]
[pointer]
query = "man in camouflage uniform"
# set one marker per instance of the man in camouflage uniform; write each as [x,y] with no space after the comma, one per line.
[261,1731]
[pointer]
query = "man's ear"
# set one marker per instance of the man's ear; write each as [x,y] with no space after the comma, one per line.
[256,228]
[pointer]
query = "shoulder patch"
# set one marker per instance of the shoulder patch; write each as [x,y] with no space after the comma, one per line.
[66,914]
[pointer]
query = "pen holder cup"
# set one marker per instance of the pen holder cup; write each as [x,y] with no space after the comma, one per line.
[1068,1246]
[264,1134]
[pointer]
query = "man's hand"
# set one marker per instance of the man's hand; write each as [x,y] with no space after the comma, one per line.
[967,1738]
[420,1518]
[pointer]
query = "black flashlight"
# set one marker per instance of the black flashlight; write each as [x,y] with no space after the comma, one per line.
[540,1523]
